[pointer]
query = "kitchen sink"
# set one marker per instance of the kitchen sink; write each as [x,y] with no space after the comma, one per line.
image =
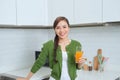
[7,77]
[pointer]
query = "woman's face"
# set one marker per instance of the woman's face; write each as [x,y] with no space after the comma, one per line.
[62,29]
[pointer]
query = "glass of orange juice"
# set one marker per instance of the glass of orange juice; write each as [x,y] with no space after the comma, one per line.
[78,54]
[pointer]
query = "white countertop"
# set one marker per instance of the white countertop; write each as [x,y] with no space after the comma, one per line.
[82,75]
[96,75]
[39,75]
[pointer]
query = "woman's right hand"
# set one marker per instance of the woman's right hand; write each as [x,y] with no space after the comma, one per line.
[22,79]
[26,78]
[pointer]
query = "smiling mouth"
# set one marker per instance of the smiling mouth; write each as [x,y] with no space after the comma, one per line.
[62,34]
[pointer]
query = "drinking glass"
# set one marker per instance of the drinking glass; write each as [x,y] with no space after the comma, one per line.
[78,54]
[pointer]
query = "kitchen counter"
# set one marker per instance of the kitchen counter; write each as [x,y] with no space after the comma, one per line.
[44,72]
[96,75]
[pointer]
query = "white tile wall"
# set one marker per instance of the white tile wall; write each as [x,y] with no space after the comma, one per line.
[107,38]
[17,46]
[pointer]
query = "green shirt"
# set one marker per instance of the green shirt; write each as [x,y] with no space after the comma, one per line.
[47,52]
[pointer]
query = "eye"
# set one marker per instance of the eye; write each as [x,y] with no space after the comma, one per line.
[57,27]
[64,26]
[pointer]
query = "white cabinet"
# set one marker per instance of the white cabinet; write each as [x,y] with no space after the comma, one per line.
[111,10]
[60,8]
[88,11]
[77,11]
[44,12]
[7,12]
[32,12]
[23,12]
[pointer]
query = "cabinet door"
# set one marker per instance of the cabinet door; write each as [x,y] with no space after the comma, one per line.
[31,12]
[8,12]
[88,11]
[111,10]
[60,8]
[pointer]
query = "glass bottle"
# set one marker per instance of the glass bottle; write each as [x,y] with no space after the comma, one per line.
[90,66]
[86,68]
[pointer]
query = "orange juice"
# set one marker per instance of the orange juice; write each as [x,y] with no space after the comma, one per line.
[78,55]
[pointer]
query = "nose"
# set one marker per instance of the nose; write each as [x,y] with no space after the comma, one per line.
[61,29]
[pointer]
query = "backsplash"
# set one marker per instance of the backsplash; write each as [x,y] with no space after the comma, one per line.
[92,38]
[18,46]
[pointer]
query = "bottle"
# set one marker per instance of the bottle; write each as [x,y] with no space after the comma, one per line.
[90,66]
[85,67]
[95,63]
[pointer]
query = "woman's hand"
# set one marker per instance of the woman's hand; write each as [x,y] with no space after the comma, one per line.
[27,78]
[81,62]
[22,79]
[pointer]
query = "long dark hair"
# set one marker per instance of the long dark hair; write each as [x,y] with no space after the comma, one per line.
[56,39]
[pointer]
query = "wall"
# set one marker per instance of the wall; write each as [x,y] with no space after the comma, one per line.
[107,38]
[17,47]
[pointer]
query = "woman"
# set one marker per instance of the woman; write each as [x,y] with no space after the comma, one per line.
[60,52]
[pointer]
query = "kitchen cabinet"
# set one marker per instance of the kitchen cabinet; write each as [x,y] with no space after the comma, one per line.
[8,12]
[111,10]
[88,11]
[60,8]
[77,11]
[44,12]
[23,12]
[32,12]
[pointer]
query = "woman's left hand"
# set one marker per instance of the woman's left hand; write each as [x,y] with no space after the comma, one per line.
[81,62]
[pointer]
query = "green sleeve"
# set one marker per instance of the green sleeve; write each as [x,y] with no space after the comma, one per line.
[40,60]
